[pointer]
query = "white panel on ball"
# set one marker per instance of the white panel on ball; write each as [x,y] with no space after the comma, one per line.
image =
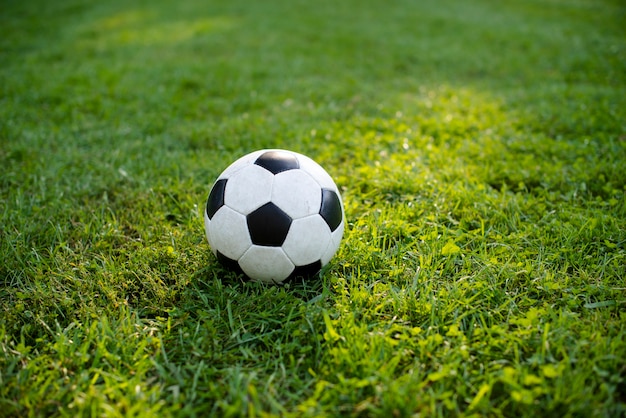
[317,172]
[333,245]
[248,189]
[242,162]
[296,193]
[266,264]
[307,239]
[209,237]
[228,231]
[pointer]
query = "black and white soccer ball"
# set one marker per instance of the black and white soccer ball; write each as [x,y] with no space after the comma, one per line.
[274,215]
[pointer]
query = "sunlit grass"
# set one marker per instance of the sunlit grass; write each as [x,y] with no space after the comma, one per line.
[480,152]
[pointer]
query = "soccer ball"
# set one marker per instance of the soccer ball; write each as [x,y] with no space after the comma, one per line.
[274,215]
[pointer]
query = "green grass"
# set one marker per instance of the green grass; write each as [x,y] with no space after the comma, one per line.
[481,152]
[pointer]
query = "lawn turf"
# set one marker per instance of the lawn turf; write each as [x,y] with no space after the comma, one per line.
[480,148]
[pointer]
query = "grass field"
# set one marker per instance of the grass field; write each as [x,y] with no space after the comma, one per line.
[480,147]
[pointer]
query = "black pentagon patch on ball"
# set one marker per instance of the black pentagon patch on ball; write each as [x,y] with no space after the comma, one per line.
[268,225]
[216,198]
[277,161]
[304,272]
[331,209]
[229,263]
